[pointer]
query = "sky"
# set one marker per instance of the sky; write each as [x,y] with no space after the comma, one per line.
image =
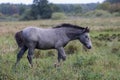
[52,1]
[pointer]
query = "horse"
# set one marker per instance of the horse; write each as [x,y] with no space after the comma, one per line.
[58,37]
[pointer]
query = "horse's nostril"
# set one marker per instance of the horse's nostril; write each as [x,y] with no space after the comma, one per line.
[89,47]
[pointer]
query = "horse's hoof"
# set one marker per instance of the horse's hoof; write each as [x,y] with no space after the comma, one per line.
[56,65]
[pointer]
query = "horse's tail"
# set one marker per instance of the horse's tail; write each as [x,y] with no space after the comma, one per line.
[19,39]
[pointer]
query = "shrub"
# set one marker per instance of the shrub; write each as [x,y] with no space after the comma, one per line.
[71,49]
[15,15]
[98,13]
[1,14]
[50,53]
[58,15]
[27,15]
[115,50]
[84,61]
[116,14]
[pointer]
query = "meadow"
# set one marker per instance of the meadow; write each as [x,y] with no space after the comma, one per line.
[102,62]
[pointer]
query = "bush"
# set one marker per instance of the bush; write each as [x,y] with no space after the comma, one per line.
[1,14]
[58,15]
[116,14]
[71,49]
[16,15]
[84,61]
[27,15]
[98,13]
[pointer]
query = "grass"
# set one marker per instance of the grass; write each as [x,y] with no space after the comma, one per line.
[102,62]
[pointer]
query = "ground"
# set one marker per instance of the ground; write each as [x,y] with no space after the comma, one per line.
[102,62]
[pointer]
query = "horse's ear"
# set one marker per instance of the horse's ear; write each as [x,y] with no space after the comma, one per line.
[87,29]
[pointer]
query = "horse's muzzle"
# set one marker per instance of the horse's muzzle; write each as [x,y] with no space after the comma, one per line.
[89,47]
[63,58]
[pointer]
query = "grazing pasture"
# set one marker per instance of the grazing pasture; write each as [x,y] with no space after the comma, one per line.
[102,62]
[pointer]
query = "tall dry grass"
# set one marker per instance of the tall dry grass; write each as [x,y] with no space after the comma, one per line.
[93,23]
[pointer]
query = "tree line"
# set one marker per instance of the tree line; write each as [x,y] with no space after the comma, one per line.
[10,9]
[42,9]
[110,5]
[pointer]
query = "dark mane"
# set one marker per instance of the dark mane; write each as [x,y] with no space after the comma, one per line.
[68,26]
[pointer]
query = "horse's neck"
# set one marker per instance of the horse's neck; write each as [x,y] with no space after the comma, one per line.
[72,33]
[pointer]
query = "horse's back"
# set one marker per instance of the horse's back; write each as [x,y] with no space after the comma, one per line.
[30,33]
[45,38]
[34,33]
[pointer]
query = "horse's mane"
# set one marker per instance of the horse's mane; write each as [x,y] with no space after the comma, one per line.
[66,25]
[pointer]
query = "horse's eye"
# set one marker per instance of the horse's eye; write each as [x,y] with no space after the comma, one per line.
[86,36]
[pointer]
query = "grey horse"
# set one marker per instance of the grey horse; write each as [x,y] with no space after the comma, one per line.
[32,38]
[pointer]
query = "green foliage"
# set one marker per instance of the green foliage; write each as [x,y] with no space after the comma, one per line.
[88,74]
[116,14]
[115,8]
[16,15]
[58,15]
[104,6]
[27,15]
[70,8]
[84,61]
[44,54]
[98,13]
[22,10]
[72,48]
[108,37]
[10,9]
[89,7]
[110,5]
[113,1]
[1,14]
[77,9]
[6,76]
[42,9]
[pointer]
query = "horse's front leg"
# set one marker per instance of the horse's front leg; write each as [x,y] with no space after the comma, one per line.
[61,55]
[30,56]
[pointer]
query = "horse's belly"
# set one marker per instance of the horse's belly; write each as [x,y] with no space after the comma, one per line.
[45,46]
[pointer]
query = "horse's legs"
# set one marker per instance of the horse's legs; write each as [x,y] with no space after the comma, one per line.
[20,54]
[30,55]
[61,54]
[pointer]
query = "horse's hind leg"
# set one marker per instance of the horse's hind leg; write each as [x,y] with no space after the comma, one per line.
[30,55]
[20,54]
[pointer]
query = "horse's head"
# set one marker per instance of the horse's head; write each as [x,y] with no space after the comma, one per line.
[84,38]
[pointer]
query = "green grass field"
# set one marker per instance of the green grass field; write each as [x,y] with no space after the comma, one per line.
[102,62]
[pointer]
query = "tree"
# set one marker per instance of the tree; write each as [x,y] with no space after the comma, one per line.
[77,9]
[110,5]
[113,1]
[41,9]
[21,10]
[104,6]
[70,8]
[27,15]
[55,8]
[115,7]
